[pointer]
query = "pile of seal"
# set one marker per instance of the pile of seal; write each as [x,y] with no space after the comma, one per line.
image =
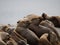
[32,30]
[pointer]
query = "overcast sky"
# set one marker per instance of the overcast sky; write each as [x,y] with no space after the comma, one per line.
[12,10]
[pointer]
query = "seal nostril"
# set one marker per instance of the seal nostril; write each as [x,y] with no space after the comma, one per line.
[18,21]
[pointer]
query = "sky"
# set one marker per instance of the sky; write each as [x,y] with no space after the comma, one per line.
[12,10]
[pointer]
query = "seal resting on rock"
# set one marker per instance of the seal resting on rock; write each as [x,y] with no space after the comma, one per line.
[54,19]
[22,29]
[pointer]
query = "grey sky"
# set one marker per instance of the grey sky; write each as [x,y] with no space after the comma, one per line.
[12,10]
